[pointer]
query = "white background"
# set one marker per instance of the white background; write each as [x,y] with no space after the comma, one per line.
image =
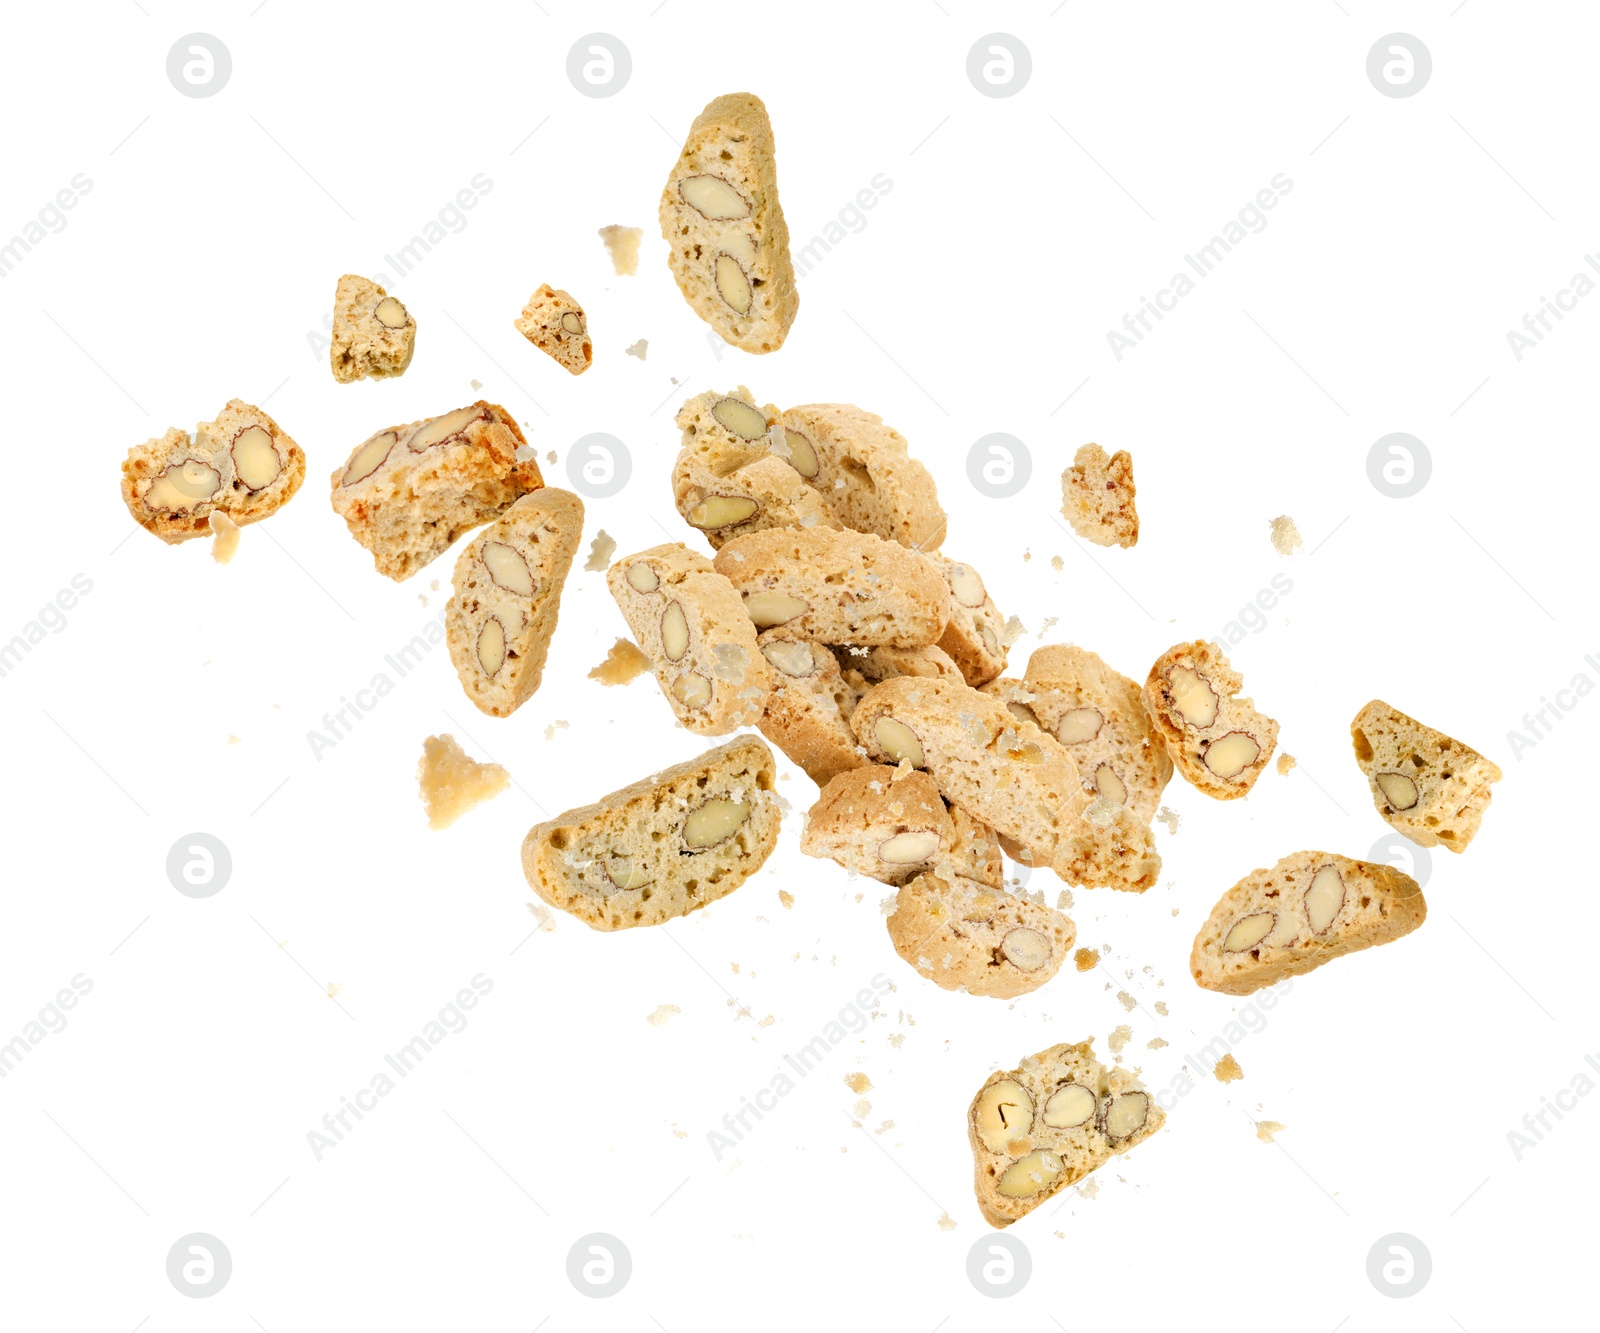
[977,298]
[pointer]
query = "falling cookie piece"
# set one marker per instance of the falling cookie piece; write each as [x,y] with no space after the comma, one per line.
[1218,741]
[727,242]
[452,782]
[974,637]
[622,243]
[1307,910]
[1429,786]
[1097,497]
[808,713]
[1285,536]
[554,322]
[1039,1128]
[508,583]
[1227,1069]
[638,349]
[241,465]
[623,663]
[867,822]
[374,335]
[225,537]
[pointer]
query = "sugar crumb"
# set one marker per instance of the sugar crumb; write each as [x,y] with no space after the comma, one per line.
[1227,1070]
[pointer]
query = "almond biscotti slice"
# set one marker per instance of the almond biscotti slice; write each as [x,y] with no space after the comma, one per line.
[865,667]
[241,466]
[688,620]
[1307,910]
[661,847]
[374,335]
[1008,773]
[554,322]
[1428,785]
[1099,716]
[888,827]
[838,586]
[407,492]
[727,242]
[1219,742]
[808,713]
[864,472]
[508,585]
[1046,1125]
[1097,497]
[962,935]
[975,636]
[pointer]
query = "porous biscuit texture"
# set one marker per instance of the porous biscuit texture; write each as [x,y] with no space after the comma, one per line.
[727,242]
[974,638]
[554,322]
[865,667]
[1307,910]
[507,596]
[241,465]
[661,847]
[407,492]
[808,712]
[838,586]
[1218,741]
[1097,497]
[887,826]
[374,334]
[962,935]
[688,620]
[1047,1124]
[1429,786]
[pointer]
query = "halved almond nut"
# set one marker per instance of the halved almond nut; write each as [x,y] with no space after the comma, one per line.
[390,313]
[732,284]
[256,461]
[1125,1114]
[793,659]
[182,486]
[898,741]
[1399,790]
[641,578]
[773,608]
[1110,786]
[713,198]
[440,429]
[715,821]
[1230,755]
[674,632]
[1026,948]
[571,321]
[906,849]
[1078,725]
[1193,699]
[492,646]
[507,568]
[965,584]
[1022,712]
[692,690]
[1002,1111]
[990,643]
[1069,1106]
[802,454]
[1030,1175]
[739,418]
[1324,898]
[721,511]
[622,872]
[368,457]
[1249,931]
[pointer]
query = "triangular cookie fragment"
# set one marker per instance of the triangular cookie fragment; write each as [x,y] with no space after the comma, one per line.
[508,585]
[966,936]
[1097,497]
[1430,786]
[1036,1129]
[727,242]
[1309,909]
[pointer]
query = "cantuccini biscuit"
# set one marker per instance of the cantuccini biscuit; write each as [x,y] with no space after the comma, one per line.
[1218,741]
[1431,787]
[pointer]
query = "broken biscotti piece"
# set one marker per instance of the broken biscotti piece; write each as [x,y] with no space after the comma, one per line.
[408,492]
[974,636]
[622,243]
[661,847]
[241,465]
[1037,1129]
[895,827]
[508,585]
[808,713]
[689,622]
[962,935]
[1099,717]
[1217,741]
[1431,787]
[1305,911]
[1097,497]
[865,667]
[727,481]
[838,586]
[452,782]
[1008,773]
[555,323]
[373,334]
[863,472]
[727,242]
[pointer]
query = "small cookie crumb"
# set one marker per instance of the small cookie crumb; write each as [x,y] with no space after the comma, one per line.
[601,549]
[1126,1001]
[623,245]
[785,897]
[1227,1070]
[1169,817]
[623,663]
[637,349]
[1265,1129]
[1286,761]
[1285,536]
[946,1222]
[1087,959]
[476,385]
[451,782]
[658,1016]
[858,1083]
[225,535]
[1161,1008]
[1120,1037]
[334,987]
[558,725]
[1155,1043]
